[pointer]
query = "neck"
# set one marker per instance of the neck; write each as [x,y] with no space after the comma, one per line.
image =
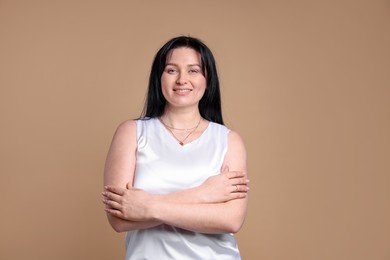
[181,119]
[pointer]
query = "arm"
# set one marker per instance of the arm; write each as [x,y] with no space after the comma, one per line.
[177,209]
[228,185]
[209,218]
[119,171]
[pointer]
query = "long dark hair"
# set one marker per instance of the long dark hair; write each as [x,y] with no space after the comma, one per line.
[209,105]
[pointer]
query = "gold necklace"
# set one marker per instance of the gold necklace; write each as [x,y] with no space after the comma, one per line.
[178,129]
[181,142]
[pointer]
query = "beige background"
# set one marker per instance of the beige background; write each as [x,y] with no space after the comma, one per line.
[306,83]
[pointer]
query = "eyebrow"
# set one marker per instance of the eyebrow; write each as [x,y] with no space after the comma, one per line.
[189,65]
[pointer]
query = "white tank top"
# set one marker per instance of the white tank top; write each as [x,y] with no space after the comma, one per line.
[164,166]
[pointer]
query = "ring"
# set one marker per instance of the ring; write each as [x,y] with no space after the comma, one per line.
[236,187]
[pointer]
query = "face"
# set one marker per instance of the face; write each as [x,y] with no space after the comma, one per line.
[183,82]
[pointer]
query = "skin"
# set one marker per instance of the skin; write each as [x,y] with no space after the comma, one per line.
[217,206]
[183,83]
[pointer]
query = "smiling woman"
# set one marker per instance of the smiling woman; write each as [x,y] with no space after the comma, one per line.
[175,179]
[183,82]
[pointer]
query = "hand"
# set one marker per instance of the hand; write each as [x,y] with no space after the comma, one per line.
[129,203]
[224,187]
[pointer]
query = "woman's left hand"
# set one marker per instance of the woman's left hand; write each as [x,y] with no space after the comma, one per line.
[129,204]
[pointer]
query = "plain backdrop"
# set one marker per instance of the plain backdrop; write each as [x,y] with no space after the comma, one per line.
[306,84]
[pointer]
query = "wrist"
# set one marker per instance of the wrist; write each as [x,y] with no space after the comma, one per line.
[199,195]
[154,208]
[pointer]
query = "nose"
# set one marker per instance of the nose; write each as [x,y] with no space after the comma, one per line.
[181,79]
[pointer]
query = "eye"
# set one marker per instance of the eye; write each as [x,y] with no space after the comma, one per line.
[171,70]
[193,71]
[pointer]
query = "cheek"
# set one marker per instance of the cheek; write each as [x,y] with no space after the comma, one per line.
[164,82]
[201,90]
[202,85]
[164,90]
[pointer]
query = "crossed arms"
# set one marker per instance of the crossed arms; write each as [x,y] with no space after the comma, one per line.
[216,206]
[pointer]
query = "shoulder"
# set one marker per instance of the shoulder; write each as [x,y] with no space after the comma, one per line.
[131,124]
[126,132]
[127,126]
[233,136]
[130,127]
[235,140]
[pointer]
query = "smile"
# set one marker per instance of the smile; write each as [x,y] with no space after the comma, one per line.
[182,90]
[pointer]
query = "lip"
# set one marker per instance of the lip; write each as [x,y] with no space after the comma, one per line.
[182,91]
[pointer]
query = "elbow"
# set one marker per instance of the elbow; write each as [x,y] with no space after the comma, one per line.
[116,224]
[117,227]
[234,227]
[235,220]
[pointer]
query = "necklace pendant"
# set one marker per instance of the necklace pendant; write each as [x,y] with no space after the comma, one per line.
[181,143]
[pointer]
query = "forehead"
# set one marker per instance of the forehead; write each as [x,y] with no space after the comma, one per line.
[184,55]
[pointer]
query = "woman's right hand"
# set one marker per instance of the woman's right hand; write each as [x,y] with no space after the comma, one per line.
[228,185]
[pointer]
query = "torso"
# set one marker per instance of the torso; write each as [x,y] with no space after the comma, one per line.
[164,166]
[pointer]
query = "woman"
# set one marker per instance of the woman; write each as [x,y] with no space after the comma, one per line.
[175,179]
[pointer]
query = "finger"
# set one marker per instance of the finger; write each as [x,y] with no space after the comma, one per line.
[111,196]
[235,174]
[238,195]
[240,181]
[114,212]
[115,190]
[235,188]
[242,188]
[112,204]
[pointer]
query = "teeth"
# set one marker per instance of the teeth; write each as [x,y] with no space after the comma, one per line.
[182,90]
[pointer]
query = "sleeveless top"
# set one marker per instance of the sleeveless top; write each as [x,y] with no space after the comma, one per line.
[164,166]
